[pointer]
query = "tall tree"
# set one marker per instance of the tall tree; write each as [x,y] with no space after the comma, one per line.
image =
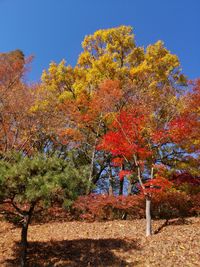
[140,141]
[77,103]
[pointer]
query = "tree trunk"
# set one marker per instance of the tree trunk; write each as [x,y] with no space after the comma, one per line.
[148,216]
[93,157]
[121,182]
[91,170]
[129,188]
[24,232]
[24,242]
[121,185]
[110,189]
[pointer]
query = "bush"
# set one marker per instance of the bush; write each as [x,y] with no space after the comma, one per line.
[165,205]
[195,199]
[171,205]
[106,207]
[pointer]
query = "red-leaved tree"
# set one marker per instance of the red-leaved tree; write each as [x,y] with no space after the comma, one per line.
[146,148]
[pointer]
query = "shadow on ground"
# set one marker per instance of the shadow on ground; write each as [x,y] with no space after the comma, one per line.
[77,253]
[179,221]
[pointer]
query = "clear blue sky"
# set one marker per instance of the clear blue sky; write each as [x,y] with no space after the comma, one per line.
[54,29]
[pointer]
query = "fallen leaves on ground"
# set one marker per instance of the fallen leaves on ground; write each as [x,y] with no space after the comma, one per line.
[113,243]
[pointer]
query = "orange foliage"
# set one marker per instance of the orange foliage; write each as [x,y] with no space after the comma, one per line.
[17,126]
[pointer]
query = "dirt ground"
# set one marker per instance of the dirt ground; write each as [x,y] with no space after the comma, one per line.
[114,243]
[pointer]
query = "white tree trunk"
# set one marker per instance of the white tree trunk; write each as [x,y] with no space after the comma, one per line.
[129,188]
[148,216]
[110,191]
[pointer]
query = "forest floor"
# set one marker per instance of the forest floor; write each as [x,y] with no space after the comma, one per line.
[112,243]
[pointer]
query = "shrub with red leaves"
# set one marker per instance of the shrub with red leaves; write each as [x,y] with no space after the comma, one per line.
[195,199]
[180,178]
[165,204]
[171,205]
[105,207]
[187,183]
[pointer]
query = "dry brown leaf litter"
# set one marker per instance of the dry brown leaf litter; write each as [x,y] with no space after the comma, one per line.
[114,243]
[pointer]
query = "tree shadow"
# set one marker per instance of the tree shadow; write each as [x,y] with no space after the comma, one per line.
[76,253]
[179,221]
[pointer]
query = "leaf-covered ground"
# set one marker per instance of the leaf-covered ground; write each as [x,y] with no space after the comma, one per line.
[115,243]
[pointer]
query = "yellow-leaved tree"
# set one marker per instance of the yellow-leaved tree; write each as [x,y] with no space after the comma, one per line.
[77,102]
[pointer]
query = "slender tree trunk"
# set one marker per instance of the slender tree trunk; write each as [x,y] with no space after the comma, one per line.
[129,188]
[24,232]
[148,216]
[91,169]
[124,215]
[148,210]
[147,197]
[121,185]
[93,157]
[110,189]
